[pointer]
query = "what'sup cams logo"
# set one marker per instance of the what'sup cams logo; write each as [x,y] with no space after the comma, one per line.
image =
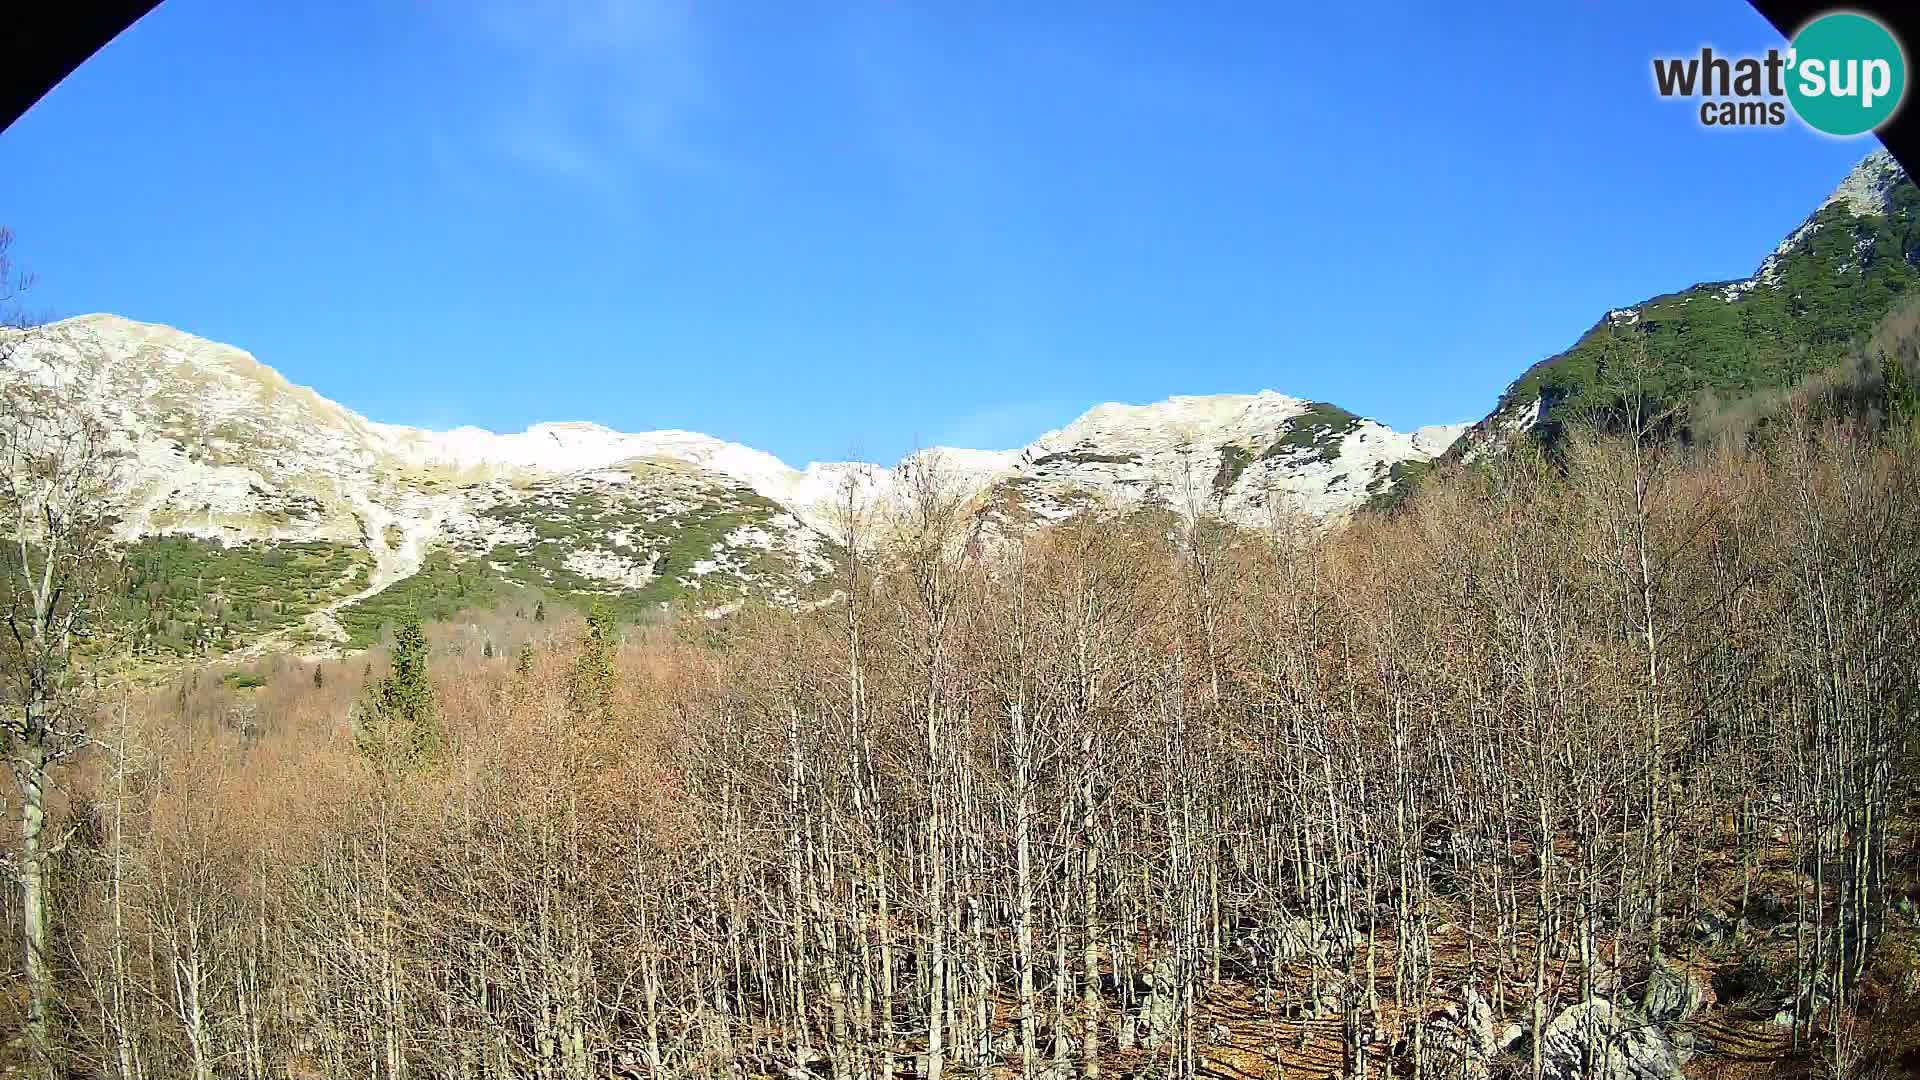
[1843,74]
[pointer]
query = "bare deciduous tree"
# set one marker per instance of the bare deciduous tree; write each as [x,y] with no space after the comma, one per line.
[59,482]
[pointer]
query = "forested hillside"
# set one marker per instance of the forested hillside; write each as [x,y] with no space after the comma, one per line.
[1172,716]
[1603,772]
[1811,302]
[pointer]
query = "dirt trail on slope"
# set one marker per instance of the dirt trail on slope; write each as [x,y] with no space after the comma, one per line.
[390,564]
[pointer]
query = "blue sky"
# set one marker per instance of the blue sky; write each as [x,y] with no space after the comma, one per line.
[847,229]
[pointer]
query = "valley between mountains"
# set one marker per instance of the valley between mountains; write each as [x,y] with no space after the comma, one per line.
[1226,736]
[265,516]
[237,476]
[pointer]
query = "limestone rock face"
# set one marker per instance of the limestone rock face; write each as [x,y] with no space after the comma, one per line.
[1158,1009]
[1675,993]
[1462,1044]
[1597,1041]
[225,451]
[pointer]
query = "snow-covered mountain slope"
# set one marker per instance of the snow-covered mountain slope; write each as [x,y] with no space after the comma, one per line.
[227,453]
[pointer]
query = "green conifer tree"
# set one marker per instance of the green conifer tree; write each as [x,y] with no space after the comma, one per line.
[591,691]
[395,726]
[1903,400]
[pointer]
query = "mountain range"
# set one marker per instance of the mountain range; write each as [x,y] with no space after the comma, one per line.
[315,523]
[261,514]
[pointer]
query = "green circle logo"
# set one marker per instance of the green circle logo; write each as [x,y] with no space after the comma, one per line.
[1847,74]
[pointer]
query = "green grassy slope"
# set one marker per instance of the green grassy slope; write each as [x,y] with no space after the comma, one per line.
[1831,288]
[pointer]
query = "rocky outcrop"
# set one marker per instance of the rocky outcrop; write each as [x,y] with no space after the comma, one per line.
[1295,937]
[1461,1043]
[1160,1008]
[1675,992]
[1595,1040]
[1246,456]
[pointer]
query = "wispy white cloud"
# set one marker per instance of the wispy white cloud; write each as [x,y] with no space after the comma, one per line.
[594,93]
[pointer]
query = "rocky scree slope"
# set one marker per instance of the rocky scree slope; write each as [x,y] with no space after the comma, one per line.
[264,514]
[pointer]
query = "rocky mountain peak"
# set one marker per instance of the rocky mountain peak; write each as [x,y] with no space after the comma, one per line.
[1830,279]
[1868,187]
[230,456]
